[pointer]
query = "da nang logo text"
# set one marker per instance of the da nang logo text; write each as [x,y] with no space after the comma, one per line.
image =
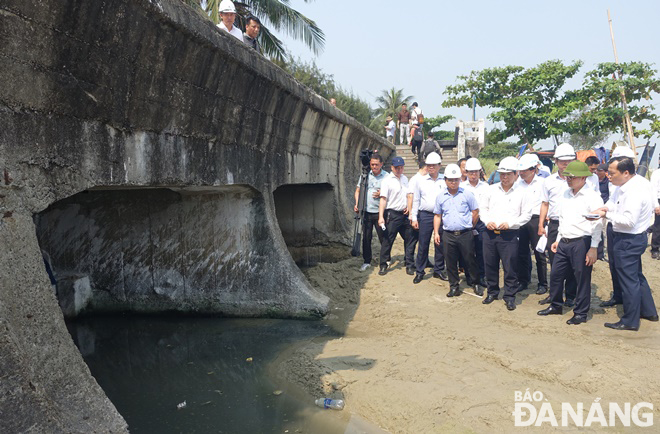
[531,408]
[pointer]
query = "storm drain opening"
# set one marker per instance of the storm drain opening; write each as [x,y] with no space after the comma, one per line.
[308,218]
[155,250]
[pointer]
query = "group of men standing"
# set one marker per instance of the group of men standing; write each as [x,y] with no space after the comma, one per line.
[480,228]
[227,11]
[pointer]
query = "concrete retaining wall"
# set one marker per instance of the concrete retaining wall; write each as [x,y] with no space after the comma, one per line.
[135,94]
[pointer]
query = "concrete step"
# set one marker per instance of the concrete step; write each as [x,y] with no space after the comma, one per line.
[449,156]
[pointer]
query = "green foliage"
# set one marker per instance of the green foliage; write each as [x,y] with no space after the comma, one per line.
[497,151]
[600,96]
[531,102]
[389,102]
[435,122]
[324,84]
[273,14]
[444,135]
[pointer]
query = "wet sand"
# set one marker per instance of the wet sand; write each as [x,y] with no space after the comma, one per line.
[411,360]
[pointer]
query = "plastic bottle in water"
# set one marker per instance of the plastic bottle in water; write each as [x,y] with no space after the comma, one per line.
[336,404]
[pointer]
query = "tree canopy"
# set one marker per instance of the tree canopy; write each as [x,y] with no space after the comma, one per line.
[532,104]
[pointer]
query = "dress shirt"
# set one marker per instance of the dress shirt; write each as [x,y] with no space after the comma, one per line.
[632,206]
[553,188]
[572,208]
[414,182]
[504,207]
[426,191]
[533,194]
[373,185]
[593,183]
[479,191]
[391,129]
[235,31]
[252,42]
[456,210]
[655,182]
[394,190]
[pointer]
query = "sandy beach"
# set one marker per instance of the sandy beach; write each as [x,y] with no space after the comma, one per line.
[411,360]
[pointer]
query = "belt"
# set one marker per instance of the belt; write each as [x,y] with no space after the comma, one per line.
[395,211]
[572,240]
[462,231]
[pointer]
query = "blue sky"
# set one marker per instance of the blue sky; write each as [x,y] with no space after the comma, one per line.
[422,46]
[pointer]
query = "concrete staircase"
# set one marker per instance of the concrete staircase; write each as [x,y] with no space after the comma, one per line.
[449,155]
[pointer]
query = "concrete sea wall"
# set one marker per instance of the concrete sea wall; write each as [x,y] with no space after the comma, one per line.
[140,149]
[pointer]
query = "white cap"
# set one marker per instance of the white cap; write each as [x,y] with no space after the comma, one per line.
[508,164]
[433,158]
[227,6]
[452,171]
[528,161]
[472,164]
[623,151]
[565,152]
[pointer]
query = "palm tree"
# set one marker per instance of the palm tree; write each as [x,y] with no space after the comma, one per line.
[390,102]
[273,14]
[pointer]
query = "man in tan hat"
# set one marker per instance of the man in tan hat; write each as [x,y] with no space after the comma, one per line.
[390,129]
[575,250]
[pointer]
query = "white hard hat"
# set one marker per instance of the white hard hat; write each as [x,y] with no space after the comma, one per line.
[565,152]
[623,151]
[452,171]
[528,161]
[508,164]
[433,158]
[227,6]
[472,164]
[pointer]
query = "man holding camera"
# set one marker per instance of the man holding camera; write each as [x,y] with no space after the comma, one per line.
[370,220]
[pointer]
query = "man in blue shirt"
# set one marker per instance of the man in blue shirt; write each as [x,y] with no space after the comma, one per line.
[370,220]
[457,211]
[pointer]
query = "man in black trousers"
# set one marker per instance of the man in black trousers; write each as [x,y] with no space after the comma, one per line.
[630,219]
[393,214]
[577,243]
[503,214]
[457,211]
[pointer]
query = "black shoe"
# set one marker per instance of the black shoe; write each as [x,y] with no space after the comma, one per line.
[655,255]
[550,311]
[418,278]
[410,271]
[489,299]
[383,270]
[478,290]
[510,304]
[620,326]
[577,320]
[482,282]
[569,302]
[609,303]
[541,290]
[653,318]
[442,275]
[454,292]
[546,300]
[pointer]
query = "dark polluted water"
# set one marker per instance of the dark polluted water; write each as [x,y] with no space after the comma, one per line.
[221,368]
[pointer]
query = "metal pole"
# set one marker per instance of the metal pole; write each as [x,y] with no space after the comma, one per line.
[627,122]
[474,108]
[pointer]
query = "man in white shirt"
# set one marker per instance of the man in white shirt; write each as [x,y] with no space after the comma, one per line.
[655,238]
[390,129]
[577,243]
[479,189]
[412,186]
[393,214]
[503,214]
[554,187]
[228,15]
[415,113]
[532,184]
[630,217]
[422,214]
